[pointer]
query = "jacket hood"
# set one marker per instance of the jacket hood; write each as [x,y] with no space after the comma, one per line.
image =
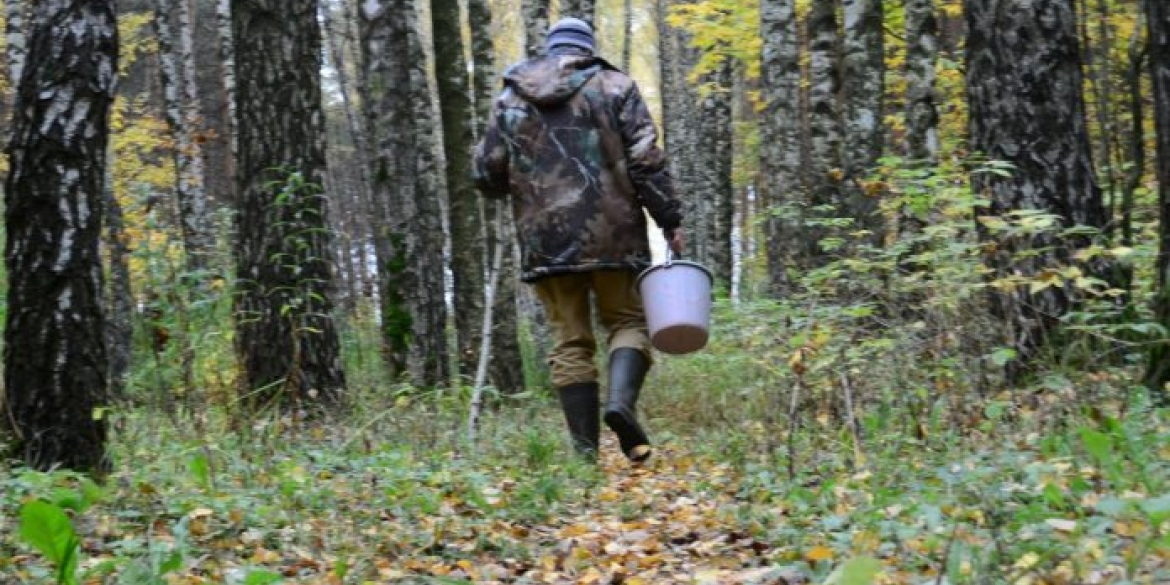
[551,80]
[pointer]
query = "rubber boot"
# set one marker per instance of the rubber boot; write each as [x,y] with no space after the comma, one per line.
[581,404]
[627,371]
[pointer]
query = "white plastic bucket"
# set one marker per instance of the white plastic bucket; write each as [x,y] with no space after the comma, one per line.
[677,298]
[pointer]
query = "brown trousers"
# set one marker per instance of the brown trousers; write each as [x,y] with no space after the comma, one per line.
[566,304]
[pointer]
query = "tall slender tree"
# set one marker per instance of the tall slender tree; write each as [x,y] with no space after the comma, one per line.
[716,158]
[681,125]
[182,112]
[822,195]
[55,374]
[1158,23]
[465,209]
[922,142]
[506,369]
[214,127]
[286,334]
[1024,86]
[862,108]
[408,180]
[119,295]
[780,162]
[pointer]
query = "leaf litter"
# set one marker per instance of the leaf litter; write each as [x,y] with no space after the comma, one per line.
[691,515]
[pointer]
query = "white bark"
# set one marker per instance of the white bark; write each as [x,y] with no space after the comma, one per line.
[485,352]
[863,74]
[922,142]
[181,108]
[16,30]
[227,52]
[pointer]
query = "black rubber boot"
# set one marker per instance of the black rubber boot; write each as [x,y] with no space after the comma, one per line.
[627,371]
[581,404]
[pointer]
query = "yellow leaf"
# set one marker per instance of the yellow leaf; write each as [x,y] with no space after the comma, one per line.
[1027,561]
[818,553]
[609,495]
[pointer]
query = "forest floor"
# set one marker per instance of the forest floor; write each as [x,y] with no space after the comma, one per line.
[351,504]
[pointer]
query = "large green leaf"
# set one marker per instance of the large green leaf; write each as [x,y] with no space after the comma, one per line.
[46,527]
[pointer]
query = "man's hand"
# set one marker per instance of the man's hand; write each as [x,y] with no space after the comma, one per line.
[676,240]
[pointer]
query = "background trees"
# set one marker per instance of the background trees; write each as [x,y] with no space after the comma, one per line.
[816,145]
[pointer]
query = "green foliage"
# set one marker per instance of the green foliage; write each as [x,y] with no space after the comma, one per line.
[46,527]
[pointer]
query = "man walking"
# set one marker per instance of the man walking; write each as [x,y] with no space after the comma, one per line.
[572,143]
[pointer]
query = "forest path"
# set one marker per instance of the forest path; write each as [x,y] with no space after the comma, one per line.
[673,519]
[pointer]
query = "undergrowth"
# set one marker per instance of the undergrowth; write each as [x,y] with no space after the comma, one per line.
[862,429]
[1064,481]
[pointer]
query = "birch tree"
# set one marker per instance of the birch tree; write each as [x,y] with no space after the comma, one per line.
[182,113]
[466,215]
[862,109]
[780,180]
[286,334]
[922,142]
[717,194]
[506,368]
[55,382]
[823,191]
[16,47]
[211,38]
[408,179]
[1024,86]
[680,125]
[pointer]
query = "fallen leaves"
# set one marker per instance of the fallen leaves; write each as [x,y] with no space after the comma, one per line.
[685,517]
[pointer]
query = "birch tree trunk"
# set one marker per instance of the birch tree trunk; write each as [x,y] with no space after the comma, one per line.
[430,354]
[1158,22]
[406,178]
[54,352]
[215,127]
[681,117]
[119,297]
[227,50]
[354,122]
[16,48]
[922,141]
[627,33]
[780,183]
[181,110]
[535,15]
[717,192]
[863,111]
[823,191]
[583,9]
[16,14]
[506,368]
[466,214]
[1024,86]
[286,334]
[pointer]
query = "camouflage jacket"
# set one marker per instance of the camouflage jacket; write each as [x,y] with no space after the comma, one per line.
[572,143]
